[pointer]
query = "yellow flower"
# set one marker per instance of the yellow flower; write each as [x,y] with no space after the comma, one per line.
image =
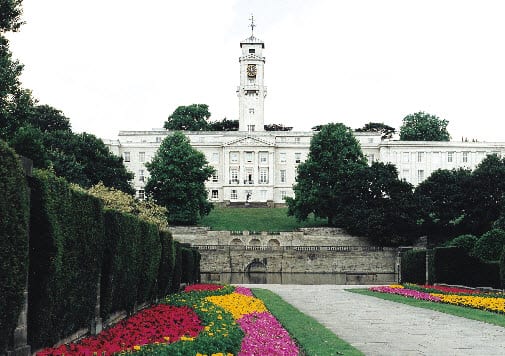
[187,338]
[136,347]
[167,338]
[238,304]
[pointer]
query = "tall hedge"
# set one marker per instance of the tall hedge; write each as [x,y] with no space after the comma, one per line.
[188,264]
[14,214]
[150,257]
[413,266]
[453,265]
[502,268]
[66,243]
[167,262]
[177,274]
[490,245]
[122,256]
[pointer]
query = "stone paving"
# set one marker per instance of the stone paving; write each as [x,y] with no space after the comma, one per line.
[379,327]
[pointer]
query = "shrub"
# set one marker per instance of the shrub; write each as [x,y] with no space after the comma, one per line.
[150,250]
[188,264]
[120,271]
[490,245]
[14,214]
[452,265]
[466,242]
[177,274]
[413,266]
[167,261]
[502,268]
[66,242]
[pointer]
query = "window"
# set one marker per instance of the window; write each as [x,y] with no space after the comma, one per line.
[140,194]
[283,176]
[141,175]
[249,176]
[251,111]
[420,175]
[215,177]
[234,157]
[158,139]
[249,157]
[252,50]
[405,157]
[263,195]
[450,156]
[142,156]
[405,173]
[465,157]
[215,157]
[420,156]
[126,156]
[263,175]
[234,176]
[263,157]
[282,157]
[371,158]
[298,157]
[250,128]
[297,139]
[214,194]
[233,195]
[284,194]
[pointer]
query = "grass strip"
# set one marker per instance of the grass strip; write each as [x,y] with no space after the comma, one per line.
[464,312]
[313,338]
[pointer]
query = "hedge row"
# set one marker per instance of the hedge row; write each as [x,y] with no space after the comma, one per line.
[413,266]
[14,212]
[75,247]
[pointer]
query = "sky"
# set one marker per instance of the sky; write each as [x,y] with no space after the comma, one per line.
[114,65]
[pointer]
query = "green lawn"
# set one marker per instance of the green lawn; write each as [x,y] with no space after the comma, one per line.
[464,312]
[313,338]
[255,219]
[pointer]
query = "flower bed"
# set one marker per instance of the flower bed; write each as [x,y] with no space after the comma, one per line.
[494,302]
[209,320]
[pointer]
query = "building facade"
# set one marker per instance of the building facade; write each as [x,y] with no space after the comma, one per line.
[253,165]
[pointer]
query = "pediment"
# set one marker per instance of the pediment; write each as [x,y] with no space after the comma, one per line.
[249,141]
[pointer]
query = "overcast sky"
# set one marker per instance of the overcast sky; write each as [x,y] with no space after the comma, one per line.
[113,65]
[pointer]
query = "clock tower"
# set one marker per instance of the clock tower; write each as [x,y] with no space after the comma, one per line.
[251,91]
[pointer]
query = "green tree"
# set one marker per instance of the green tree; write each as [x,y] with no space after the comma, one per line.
[177,180]
[466,242]
[424,127]
[333,156]
[277,127]
[385,130]
[189,118]
[48,119]
[378,205]
[490,245]
[443,200]
[10,15]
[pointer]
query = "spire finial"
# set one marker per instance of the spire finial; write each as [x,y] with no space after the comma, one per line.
[252,25]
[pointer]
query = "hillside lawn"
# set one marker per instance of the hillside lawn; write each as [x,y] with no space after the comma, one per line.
[255,219]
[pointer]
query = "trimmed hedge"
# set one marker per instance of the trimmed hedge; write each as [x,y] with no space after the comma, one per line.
[177,274]
[14,212]
[150,249]
[490,245]
[188,264]
[452,265]
[66,244]
[167,263]
[502,268]
[413,266]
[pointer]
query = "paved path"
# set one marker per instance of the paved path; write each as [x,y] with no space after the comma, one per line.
[379,327]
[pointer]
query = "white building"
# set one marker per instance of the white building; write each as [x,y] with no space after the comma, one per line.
[260,166]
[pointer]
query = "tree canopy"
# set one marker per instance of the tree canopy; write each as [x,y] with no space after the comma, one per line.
[10,15]
[224,125]
[277,127]
[333,156]
[424,127]
[189,118]
[177,180]
[386,131]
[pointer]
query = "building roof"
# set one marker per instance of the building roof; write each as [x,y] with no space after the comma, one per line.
[252,40]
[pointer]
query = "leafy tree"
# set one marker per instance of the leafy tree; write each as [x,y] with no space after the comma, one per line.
[177,180]
[277,127]
[189,118]
[224,125]
[443,202]
[334,155]
[378,205]
[490,246]
[10,15]
[424,127]
[29,142]
[317,128]
[48,119]
[385,130]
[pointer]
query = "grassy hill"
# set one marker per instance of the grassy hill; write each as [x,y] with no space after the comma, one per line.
[255,219]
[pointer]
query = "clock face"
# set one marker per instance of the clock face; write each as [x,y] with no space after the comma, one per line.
[251,70]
